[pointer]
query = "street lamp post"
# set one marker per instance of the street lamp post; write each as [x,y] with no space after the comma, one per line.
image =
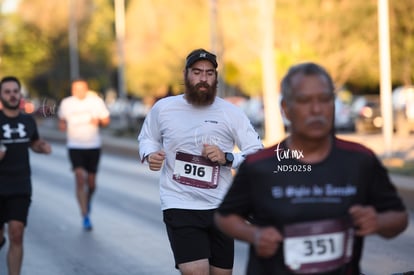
[385,75]
[120,37]
[274,130]
[73,41]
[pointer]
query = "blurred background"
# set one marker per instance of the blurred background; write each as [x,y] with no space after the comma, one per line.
[133,51]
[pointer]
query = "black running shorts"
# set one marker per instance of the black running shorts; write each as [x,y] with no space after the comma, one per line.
[194,236]
[14,207]
[88,159]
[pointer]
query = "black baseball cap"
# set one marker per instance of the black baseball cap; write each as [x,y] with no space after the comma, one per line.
[200,54]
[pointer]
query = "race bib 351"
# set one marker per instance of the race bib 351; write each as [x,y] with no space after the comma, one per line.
[320,246]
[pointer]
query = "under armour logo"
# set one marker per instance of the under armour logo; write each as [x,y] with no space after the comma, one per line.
[8,131]
[204,55]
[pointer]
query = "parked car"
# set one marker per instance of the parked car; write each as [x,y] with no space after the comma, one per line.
[403,109]
[253,108]
[366,113]
[127,114]
[343,116]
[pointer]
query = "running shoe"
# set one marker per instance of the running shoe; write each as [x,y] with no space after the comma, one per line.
[87,225]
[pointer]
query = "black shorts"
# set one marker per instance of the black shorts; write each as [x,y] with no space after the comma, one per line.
[88,159]
[14,207]
[194,236]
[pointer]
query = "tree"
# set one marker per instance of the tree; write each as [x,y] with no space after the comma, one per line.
[36,47]
[159,35]
[341,35]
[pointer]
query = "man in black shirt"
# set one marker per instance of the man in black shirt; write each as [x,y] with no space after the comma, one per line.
[18,132]
[305,204]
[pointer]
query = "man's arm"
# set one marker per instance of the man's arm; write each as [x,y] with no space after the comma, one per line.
[62,125]
[392,223]
[3,150]
[386,224]
[103,122]
[102,116]
[266,240]
[41,146]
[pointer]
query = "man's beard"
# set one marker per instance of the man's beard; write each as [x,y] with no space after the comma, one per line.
[196,97]
[9,106]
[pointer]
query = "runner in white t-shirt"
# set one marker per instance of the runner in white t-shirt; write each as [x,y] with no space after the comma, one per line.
[81,115]
[191,138]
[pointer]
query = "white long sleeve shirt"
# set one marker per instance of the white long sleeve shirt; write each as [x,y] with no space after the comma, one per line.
[175,125]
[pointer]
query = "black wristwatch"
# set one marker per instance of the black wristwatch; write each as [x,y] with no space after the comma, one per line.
[229,158]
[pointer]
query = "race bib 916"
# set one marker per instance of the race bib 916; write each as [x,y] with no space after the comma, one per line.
[196,171]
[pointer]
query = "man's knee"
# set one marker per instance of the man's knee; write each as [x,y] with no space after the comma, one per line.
[16,231]
[199,267]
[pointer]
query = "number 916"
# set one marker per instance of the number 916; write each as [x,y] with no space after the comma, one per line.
[194,170]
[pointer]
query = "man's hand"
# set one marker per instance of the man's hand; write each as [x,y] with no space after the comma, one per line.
[2,154]
[266,241]
[387,224]
[213,153]
[155,160]
[365,219]
[41,146]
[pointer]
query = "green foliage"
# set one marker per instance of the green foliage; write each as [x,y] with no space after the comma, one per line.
[35,48]
[22,49]
[158,41]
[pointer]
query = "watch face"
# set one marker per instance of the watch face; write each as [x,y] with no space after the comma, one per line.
[229,157]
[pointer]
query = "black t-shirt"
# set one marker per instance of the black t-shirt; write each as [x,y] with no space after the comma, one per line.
[17,134]
[274,187]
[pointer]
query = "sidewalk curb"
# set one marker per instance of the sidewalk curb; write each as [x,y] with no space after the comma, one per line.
[117,145]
